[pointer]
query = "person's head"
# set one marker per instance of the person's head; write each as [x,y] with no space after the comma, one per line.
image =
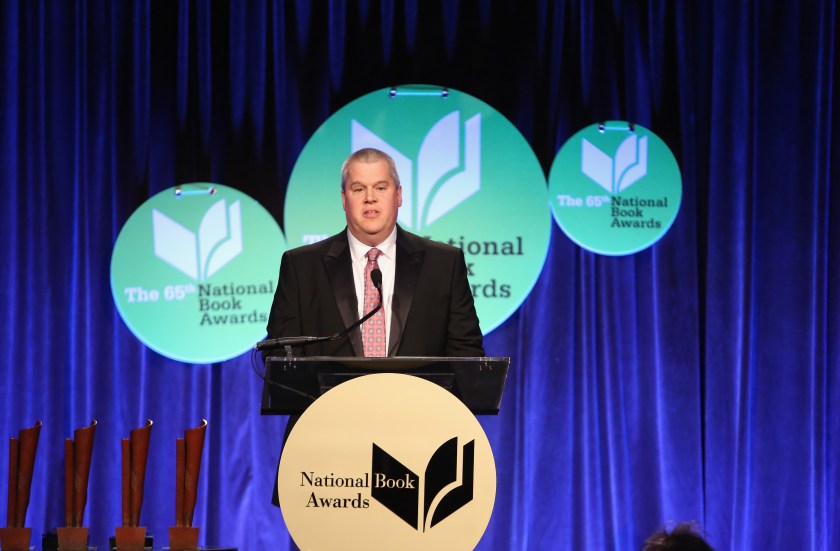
[683,537]
[371,195]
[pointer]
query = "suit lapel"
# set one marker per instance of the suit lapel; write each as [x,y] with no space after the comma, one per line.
[339,268]
[408,263]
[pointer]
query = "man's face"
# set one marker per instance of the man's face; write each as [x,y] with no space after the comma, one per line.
[371,200]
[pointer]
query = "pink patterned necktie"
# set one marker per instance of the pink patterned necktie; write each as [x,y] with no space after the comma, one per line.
[373,330]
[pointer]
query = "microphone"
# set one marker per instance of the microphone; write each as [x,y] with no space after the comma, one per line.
[375,277]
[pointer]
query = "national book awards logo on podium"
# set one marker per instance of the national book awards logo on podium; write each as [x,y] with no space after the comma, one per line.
[397,488]
[387,461]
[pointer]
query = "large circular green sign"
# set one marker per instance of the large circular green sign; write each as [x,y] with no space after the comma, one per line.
[615,188]
[469,178]
[194,271]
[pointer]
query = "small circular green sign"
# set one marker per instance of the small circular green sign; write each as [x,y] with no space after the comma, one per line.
[194,271]
[469,179]
[615,188]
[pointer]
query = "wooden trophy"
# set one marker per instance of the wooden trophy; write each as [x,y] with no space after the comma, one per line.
[184,536]
[135,451]
[21,466]
[77,455]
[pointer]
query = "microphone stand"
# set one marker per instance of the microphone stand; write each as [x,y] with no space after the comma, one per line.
[289,342]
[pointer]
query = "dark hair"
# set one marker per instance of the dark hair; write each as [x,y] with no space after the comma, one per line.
[369,155]
[683,537]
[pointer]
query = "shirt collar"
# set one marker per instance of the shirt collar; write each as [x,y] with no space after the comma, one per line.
[358,250]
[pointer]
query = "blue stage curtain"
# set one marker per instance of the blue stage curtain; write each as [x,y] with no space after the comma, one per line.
[695,380]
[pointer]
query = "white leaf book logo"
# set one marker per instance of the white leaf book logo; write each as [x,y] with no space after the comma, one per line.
[447,172]
[219,240]
[628,167]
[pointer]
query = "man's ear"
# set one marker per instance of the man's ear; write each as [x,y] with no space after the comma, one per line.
[343,201]
[399,196]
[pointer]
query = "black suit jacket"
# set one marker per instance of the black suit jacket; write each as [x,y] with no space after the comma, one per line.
[433,313]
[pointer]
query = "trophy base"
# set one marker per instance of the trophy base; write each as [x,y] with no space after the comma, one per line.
[130,538]
[15,539]
[183,538]
[72,538]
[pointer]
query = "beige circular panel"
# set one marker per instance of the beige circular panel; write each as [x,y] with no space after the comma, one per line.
[387,461]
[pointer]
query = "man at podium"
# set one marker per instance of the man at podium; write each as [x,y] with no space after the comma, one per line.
[427,305]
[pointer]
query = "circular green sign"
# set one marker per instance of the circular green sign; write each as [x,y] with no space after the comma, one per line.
[469,178]
[194,271]
[615,188]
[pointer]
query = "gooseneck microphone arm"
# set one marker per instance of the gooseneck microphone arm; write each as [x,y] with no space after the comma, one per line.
[267,344]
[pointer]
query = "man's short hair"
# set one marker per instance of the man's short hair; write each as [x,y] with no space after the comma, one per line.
[369,155]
